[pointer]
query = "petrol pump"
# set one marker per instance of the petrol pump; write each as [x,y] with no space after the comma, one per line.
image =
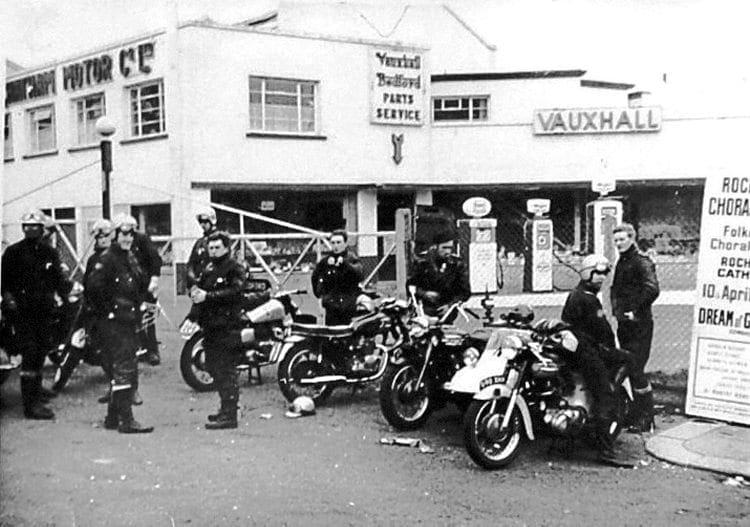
[538,236]
[478,245]
[602,216]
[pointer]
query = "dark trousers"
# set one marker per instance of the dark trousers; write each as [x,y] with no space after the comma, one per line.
[32,340]
[636,336]
[222,347]
[119,343]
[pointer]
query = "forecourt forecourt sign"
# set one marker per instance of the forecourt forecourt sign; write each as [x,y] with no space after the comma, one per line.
[719,375]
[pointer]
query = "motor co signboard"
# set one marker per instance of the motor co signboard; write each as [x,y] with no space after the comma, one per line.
[719,374]
[597,120]
[397,87]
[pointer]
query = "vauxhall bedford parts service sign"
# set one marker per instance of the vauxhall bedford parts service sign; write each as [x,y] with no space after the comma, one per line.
[719,375]
[397,87]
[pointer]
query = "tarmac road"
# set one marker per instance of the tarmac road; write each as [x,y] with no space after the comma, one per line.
[327,469]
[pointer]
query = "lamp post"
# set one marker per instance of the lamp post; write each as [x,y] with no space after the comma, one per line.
[105,128]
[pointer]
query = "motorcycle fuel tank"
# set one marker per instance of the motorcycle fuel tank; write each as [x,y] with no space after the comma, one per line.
[267,312]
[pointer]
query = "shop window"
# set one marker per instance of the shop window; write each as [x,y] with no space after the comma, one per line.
[65,217]
[154,220]
[41,122]
[147,116]
[470,108]
[8,137]
[87,110]
[282,105]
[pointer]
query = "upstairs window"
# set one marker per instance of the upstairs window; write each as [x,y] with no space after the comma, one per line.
[470,108]
[41,123]
[147,115]
[8,136]
[282,105]
[87,110]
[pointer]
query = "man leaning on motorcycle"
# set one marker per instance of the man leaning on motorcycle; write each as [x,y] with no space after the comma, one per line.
[440,277]
[336,280]
[597,354]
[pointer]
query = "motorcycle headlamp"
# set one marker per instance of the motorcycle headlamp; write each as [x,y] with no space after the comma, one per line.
[568,341]
[471,356]
[510,345]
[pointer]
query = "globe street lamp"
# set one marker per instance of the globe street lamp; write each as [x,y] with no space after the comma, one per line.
[105,128]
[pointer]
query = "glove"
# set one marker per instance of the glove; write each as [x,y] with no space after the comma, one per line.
[153,285]
[188,328]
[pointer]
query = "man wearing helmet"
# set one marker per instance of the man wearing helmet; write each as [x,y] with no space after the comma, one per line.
[116,288]
[199,254]
[31,276]
[440,277]
[634,288]
[150,261]
[596,351]
[336,279]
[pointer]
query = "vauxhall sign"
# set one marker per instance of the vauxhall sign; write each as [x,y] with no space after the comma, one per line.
[597,120]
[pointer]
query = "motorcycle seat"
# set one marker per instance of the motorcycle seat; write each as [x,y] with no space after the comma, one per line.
[317,330]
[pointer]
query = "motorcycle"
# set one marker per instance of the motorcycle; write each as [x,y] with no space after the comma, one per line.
[413,384]
[526,387]
[274,314]
[317,358]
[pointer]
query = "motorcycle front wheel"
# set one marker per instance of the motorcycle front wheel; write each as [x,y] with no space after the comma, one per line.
[486,444]
[304,361]
[65,368]
[404,405]
[193,365]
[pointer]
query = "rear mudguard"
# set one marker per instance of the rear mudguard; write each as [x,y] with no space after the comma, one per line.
[289,342]
[490,393]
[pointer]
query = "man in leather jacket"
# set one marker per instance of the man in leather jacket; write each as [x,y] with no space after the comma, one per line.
[218,307]
[336,280]
[117,287]
[31,276]
[634,288]
[440,277]
[199,253]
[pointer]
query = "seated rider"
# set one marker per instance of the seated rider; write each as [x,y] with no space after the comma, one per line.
[596,352]
[336,280]
[440,277]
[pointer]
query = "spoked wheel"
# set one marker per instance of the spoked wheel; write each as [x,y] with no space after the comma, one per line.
[193,365]
[487,445]
[405,405]
[303,361]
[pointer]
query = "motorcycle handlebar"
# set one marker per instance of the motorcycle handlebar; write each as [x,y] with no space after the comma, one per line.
[290,292]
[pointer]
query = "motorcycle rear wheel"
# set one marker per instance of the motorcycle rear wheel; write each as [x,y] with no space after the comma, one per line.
[485,444]
[300,362]
[193,365]
[405,406]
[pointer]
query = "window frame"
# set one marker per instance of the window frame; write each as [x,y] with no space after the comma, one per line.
[89,127]
[33,143]
[469,109]
[8,150]
[261,116]
[136,126]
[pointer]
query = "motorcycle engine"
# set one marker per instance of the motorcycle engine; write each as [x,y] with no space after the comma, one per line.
[564,420]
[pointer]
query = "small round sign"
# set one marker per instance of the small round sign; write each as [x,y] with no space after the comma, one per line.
[477,207]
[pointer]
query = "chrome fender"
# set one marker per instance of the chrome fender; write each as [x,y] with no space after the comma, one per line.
[489,393]
[289,341]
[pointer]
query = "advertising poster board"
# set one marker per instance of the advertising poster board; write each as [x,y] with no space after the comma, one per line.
[719,375]
[397,87]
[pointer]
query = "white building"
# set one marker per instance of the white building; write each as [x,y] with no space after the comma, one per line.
[335,129]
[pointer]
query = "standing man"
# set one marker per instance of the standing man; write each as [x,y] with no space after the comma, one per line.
[217,307]
[116,288]
[31,276]
[336,280]
[199,254]
[148,258]
[634,289]
[441,278]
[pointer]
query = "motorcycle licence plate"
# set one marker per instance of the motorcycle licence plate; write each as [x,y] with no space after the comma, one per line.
[489,381]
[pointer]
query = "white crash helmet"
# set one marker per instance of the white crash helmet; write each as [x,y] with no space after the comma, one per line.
[594,263]
[124,222]
[301,406]
[101,227]
[33,217]
[206,213]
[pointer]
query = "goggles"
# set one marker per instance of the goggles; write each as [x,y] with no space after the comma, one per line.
[602,268]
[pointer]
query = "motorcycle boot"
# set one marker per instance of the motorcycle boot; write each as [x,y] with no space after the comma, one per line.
[229,392]
[33,408]
[45,394]
[641,418]
[112,419]
[128,424]
[153,357]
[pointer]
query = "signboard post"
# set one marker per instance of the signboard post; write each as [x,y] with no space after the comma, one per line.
[719,374]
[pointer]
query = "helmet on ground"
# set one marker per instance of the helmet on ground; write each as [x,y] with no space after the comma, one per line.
[33,217]
[101,228]
[124,222]
[301,406]
[593,264]
[206,214]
